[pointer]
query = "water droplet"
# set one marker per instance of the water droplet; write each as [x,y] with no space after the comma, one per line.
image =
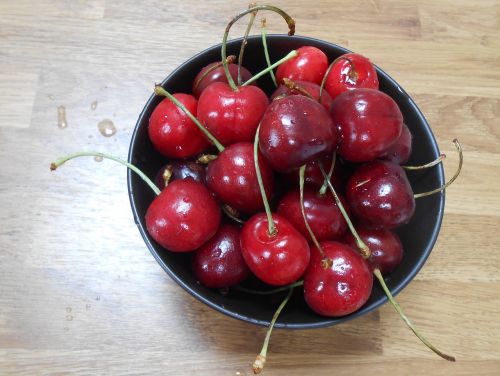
[69,318]
[61,117]
[98,158]
[68,309]
[87,307]
[106,128]
[93,105]
[51,97]
[240,373]
[98,298]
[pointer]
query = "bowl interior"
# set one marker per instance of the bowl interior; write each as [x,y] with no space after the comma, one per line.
[418,236]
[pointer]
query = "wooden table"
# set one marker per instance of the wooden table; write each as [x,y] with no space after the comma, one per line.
[79,291]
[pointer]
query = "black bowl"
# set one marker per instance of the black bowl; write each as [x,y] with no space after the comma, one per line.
[418,236]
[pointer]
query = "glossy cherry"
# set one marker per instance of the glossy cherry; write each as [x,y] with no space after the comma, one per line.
[219,263]
[340,289]
[277,259]
[172,132]
[182,169]
[296,130]
[310,87]
[232,177]
[369,122]
[203,79]
[348,72]
[380,195]
[310,65]
[183,216]
[399,152]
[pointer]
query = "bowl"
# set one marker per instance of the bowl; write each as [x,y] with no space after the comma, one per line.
[418,236]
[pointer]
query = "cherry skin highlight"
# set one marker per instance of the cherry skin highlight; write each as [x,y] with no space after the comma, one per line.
[183,216]
[310,87]
[399,152]
[217,75]
[180,170]
[310,65]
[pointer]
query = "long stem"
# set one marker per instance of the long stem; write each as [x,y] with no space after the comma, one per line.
[161,91]
[324,187]
[266,51]
[291,30]
[244,42]
[293,86]
[363,248]
[289,56]
[427,165]
[230,59]
[260,361]
[270,221]
[269,292]
[59,162]
[457,172]
[397,307]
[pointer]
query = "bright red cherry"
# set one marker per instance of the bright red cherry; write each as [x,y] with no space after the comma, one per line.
[309,87]
[180,170]
[385,246]
[183,216]
[340,289]
[232,116]
[278,259]
[200,83]
[232,177]
[399,152]
[380,195]
[310,65]
[296,130]
[369,122]
[349,72]
[219,262]
[323,215]
[172,132]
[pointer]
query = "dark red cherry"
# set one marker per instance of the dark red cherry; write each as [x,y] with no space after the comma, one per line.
[310,87]
[340,289]
[232,177]
[323,215]
[369,122]
[232,116]
[399,152]
[296,130]
[380,195]
[310,65]
[219,263]
[278,259]
[385,246]
[176,170]
[217,75]
[183,216]
[349,72]
[172,132]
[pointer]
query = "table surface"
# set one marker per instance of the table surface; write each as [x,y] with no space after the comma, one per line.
[79,291]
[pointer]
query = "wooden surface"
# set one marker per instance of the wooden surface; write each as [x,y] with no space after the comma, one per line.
[79,291]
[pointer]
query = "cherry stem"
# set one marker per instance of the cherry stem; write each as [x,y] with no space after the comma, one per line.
[457,172]
[270,221]
[206,158]
[260,361]
[363,248]
[266,51]
[161,91]
[231,213]
[352,75]
[427,165]
[397,307]
[324,187]
[167,175]
[291,30]
[230,59]
[293,86]
[244,42]
[269,292]
[59,162]
[289,56]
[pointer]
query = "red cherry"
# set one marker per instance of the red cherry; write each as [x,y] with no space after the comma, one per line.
[183,216]
[176,170]
[310,87]
[369,122]
[232,177]
[399,152]
[217,75]
[219,262]
[323,215]
[232,116]
[296,130]
[172,132]
[277,259]
[310,65]
[351,71]
[380,195]
[340,289]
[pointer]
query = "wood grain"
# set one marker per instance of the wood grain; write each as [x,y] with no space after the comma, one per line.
[80,293]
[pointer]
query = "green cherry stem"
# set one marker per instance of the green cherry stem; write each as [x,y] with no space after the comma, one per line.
[266,51]
[59,162]
[291,30]
[269,292]
[324,187]
[245,42]
[427,165]
[260,361]
[397,307]
[161,91]
[289,56]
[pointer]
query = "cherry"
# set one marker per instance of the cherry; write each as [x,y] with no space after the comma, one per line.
[341,288]
[219,262]
[380,195]
[232,177]
[183,216]
[348,72]
[176,170]
[306,88]
[294,131]
[172,132]
[310,65]
[399,152]
[369,122]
